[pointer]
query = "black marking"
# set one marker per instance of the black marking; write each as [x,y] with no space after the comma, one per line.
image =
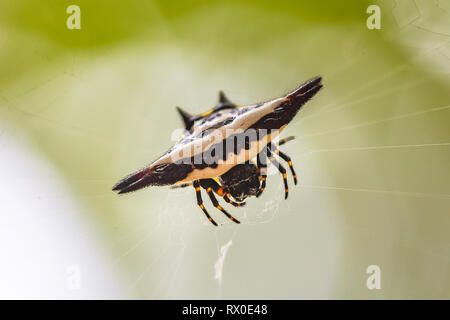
[188,120]
[164,174]
[211,129]
[223,100]
[287,110]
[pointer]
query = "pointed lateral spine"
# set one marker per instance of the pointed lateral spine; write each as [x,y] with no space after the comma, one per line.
[186,117]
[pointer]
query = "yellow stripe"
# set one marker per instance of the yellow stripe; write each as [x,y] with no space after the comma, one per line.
[206,113]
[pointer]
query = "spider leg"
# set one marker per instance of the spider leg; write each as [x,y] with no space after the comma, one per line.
[227,199]
[285,140]
[220,191]
[217,205]
[196,185]
[262,167]
[181,185]
[286,158]
[281,169]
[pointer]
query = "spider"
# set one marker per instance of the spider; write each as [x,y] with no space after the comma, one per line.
[226,150]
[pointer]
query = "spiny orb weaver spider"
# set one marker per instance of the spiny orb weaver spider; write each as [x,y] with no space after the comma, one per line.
[218,147]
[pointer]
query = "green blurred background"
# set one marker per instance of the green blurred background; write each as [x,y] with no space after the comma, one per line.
[79,109]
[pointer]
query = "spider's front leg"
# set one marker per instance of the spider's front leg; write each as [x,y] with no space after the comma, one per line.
[284,140]
[285,157]
[221,191]
[281,169]
[261,161]
[273,149]
[210,185]
[196,185]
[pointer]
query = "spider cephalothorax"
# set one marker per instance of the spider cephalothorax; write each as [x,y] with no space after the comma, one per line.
[227,144]
[242,181]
